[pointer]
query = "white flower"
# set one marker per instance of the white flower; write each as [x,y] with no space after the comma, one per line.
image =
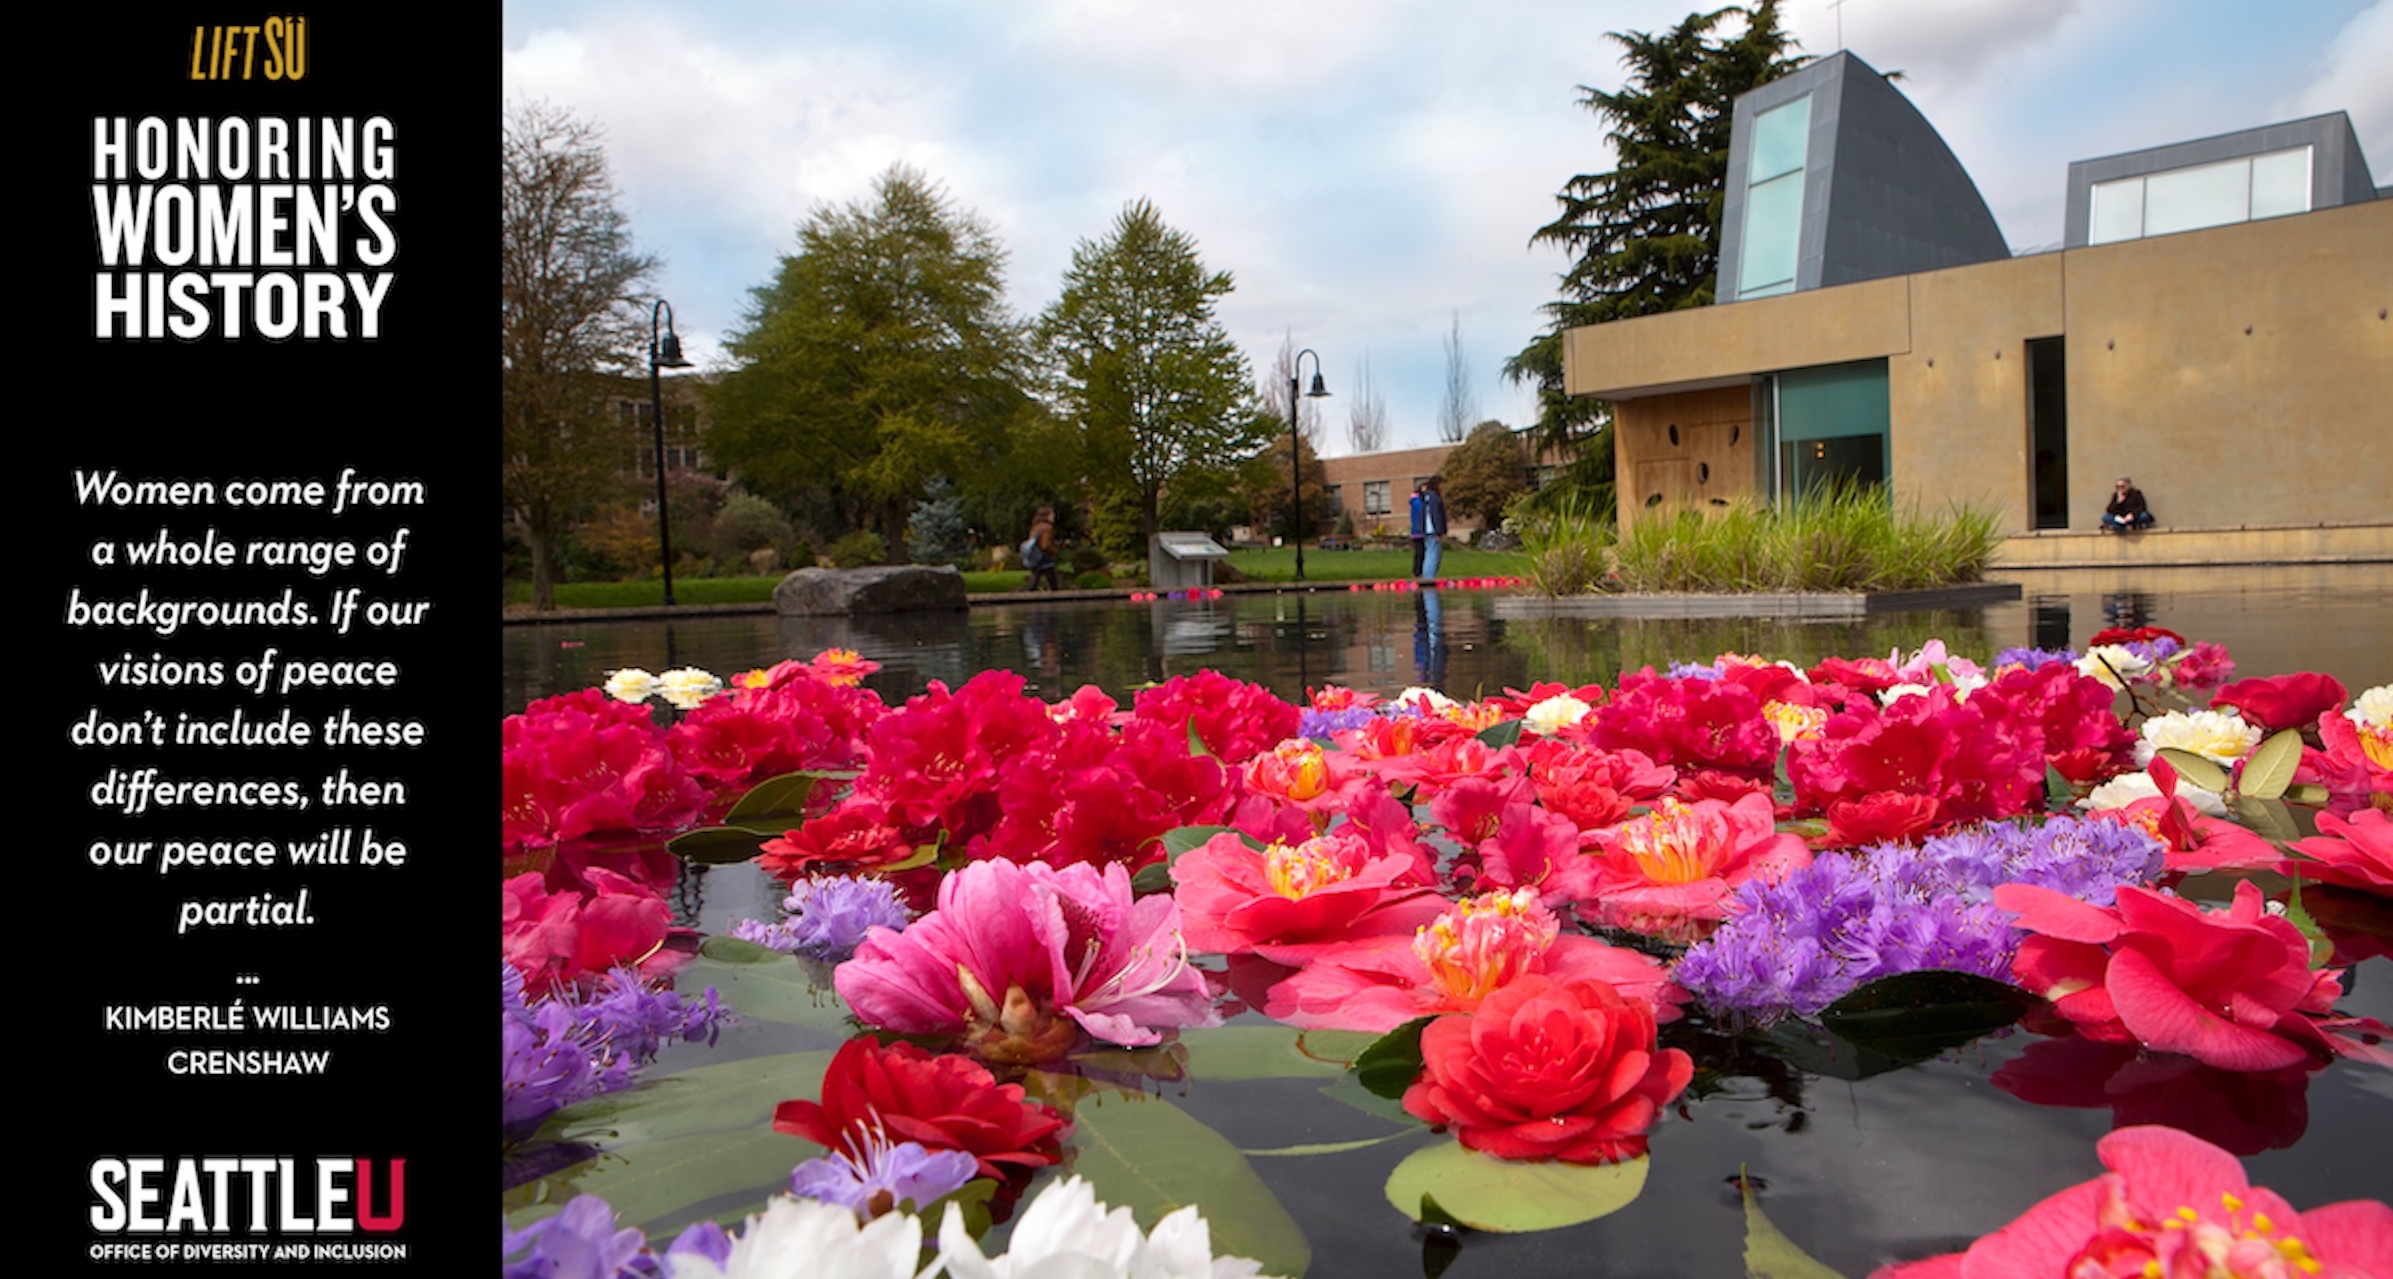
[1555,714]
[688,686]
[1066,1231]
[806,1238]
[2127,788]
[2111,663]
[2221,737]
[631,684]
[1420,697]
[2373,708]
[1893,693]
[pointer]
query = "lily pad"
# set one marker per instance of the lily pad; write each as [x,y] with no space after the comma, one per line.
[769,986]
[1153,1158]
[1770,1254]
[1914,1016]
[1221,1053]
[1447,1182]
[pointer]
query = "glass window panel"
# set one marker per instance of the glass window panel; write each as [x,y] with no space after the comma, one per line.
[2118,211]
[2281,183]
[2211,195]
[1773,235]
[1779,136]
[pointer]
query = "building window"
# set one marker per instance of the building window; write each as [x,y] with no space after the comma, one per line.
[1375,497]
[2205,195]
[1774,200]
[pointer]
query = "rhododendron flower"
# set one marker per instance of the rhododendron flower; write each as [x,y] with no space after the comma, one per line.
[578,765]
[1686,858]
[1476,947]
[1338,697]
[2221,737]
[1235,720]
[2071,714]
[1286,899]
[1566,1071]
[1017,957]
[556,938]
[901,1093]
[1690,723]
[858,835]
[2173,1205]
[2231,988]
[2282,701]
[2356,853]
[1975,761]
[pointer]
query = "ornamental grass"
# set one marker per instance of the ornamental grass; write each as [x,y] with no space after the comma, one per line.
[1843,539]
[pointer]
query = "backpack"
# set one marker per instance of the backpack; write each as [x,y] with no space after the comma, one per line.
[1031,555]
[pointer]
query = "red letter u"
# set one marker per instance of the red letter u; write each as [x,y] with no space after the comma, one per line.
[380,1223]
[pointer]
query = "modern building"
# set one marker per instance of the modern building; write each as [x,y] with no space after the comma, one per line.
[2216,324]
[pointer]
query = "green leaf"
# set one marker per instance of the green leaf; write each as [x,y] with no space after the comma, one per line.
[2194,770]
[778,800]
[1485,1193]
[733,950]
[1771,1255]
[2269,768]
[1502,734]
[771,987]
[1179,839]
[1152,1158]
[719,845]
[2058,793]
[1225,1053]
[1151,879]
[694,1145]
[1196,744]
[2266,817]
[1823,1052]
[1914,1016]
[2298,915]
[1390,1065]
[2306,794]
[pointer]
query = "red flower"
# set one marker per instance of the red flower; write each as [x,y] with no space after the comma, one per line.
[1690,723]
[2174,1205]
[1544,1070]
[1236,721]
[556,938]
[2282,701]
[581,764]
[943,1103]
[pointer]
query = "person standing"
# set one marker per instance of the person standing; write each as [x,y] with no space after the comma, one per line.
[1417,528]
[1038,551]
[1433,526]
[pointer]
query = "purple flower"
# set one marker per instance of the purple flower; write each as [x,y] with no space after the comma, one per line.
[564,1048]
[2033,658]
[580,1242]
[1805,942]
[883,1176]
[1323,724]
[831,914]
[1708,671]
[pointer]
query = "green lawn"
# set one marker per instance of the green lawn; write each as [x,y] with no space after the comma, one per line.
[1253,566]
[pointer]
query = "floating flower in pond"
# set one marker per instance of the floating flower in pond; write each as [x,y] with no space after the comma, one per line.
[842,667]
[1566,1071]
[1795,723]
[878,1094]
[1554,714]
[1690,724]
[1299,772]
[2173,1205]
[581,1241]
[1286,899]
[565,1047]
[578,765]
[794,1237]
[1477,946]
[875,1176]
[2221,737]
[829,916]
[631,684]
[1067,1231]
[686,686]
[557,938]
[2112,664]
[1235,720]
[1686,858]
[2230,988]
[2282,701]
[1594,788]
[2356,853]
[1019,958]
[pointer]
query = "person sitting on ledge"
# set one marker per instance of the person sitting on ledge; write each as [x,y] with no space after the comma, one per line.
[2126,510]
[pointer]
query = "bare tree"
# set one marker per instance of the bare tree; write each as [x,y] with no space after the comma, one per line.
[1367,414]
[1461,407]
[566,265]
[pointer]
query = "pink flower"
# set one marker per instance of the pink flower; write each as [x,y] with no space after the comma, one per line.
[2176,1206]
[1687,858]
[1284,900]
[2283,701]
[2230,988]
[1690,724]
[1236,721]
[2357,853]
[554,939]
[1477,947]
[1298,772]
[1019,959]
[580,764]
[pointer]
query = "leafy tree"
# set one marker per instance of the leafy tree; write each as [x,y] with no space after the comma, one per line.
[1149,375]
[1645,237]
[566,265]
[880,356]
[1485,472]
[1460,406]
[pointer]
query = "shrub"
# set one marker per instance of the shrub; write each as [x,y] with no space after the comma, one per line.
[748,524]
[860,549]
[1095,580]
[1087,559]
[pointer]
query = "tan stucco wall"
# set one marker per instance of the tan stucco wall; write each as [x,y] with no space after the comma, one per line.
[2289,423]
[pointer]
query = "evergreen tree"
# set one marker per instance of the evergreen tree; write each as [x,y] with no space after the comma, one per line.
[1646,235]
[936,533]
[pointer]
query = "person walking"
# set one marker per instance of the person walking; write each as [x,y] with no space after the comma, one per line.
[1433,527]
[1417,528]
[1038,551]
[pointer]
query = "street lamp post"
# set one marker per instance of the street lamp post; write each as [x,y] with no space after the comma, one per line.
[664,352]
[1296,456]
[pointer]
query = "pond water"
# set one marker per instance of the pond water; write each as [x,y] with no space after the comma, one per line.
[1858,1164]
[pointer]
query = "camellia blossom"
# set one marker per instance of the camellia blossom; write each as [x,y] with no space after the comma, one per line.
[1567,1071]
[2113,664]
[1067,1231]
[1554,714]
[2221,737]
[2230,988]
[1686,858]
[879,1094]
[1016,957]
[1285,900]
[2173,1205]
[2356,853]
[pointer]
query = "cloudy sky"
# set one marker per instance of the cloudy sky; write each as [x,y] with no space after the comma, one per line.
[1369,171]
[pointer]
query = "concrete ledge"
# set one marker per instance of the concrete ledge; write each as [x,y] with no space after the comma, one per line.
[2169,547]
[1778,604]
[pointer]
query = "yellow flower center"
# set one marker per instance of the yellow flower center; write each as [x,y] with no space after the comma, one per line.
[1481,943]
[2376,742]
[1796,723]
[1295,873]
[1677,843]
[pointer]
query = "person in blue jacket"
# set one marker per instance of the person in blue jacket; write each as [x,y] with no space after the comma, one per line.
[1417,528]
[1432,525]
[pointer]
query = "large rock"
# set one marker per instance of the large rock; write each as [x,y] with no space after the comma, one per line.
[892,588]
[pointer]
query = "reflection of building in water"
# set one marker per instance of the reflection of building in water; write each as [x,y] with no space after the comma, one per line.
[2213,324]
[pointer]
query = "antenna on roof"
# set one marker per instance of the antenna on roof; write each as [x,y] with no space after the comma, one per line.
[1839,7]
